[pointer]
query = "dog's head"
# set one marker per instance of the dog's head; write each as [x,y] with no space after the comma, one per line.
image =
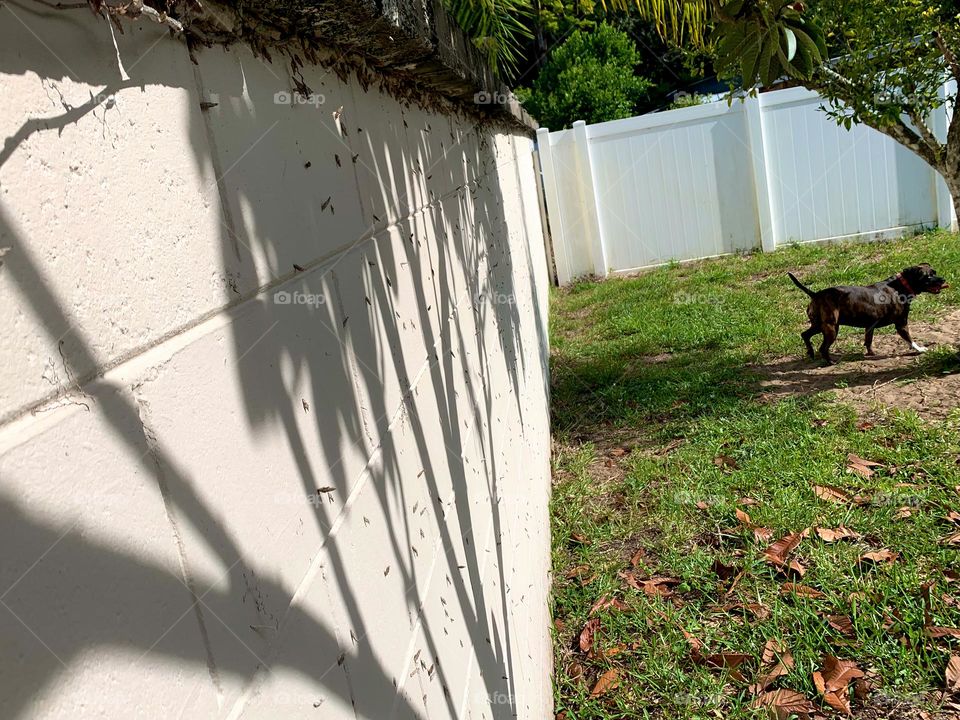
[923,278]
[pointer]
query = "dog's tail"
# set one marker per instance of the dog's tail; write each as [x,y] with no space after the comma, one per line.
[800,285]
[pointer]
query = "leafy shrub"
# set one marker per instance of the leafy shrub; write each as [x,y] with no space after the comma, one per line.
[591,76]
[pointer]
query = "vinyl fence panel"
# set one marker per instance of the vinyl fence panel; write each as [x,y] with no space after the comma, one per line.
[717,179]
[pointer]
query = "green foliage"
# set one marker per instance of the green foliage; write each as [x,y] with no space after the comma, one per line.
[590,77]
[888,60]
[497,28]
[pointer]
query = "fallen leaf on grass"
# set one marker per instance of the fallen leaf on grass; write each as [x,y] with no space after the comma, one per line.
[833,681]
[939,632]
[577,538]
[802,590]
[953,673]
[618,452]
[831,494]
[653,587]
[865,425]
[777,553]
[586,635]
[759,611]
[952,539]
[953,516]
[860,466]
[637,557]
[729,661]
[777,661]
[783,704]
[605,602]
[903,513]
[747,502]
[608,681]
[880,557]
[760,533]
[842,624]
[834,534]
[722,570]
[725,461]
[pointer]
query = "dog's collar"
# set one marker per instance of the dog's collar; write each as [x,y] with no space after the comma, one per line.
[906,285]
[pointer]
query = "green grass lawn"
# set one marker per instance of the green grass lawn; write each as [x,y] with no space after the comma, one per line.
[662,435]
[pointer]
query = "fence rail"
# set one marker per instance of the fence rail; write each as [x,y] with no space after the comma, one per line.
[717,179]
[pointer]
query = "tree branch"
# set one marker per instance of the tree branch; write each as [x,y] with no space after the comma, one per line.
[906,136]
[948,55]
[927,135]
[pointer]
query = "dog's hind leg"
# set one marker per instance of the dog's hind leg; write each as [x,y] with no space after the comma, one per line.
[829,335]
[868,340]
[806,335]
[904,332]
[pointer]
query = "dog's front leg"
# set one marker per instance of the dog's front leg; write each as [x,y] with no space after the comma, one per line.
[904,332]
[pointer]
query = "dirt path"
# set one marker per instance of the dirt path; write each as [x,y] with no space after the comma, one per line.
[893,377]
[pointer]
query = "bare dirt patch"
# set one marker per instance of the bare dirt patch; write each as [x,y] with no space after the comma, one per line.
[894,377]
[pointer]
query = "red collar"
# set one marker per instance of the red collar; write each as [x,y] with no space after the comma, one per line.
[906,285]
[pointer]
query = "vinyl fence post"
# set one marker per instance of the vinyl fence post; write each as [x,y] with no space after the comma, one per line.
[587,188]
[557,236]
[753,115]
[946,215]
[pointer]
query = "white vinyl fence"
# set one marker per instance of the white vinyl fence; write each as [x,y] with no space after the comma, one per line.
[716,179]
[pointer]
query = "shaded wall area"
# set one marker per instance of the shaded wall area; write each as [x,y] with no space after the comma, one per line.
[274,435]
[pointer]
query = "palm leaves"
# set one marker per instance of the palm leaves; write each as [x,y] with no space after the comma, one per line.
[497,27]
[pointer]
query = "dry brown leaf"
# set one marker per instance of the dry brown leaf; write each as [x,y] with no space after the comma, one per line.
[759,611]
[783,704]
[953,673]
[777,661]
[701,505]
[637,557]
[952,539]
[880,557]
[797,589]
[608,681]
[939,632]
[953,516]
[605,602]
[833,681]
[860,466]
[903,513]
[586,635]
[618,452]
[747,502]
[577,538]
[865,425]
[578,572]
[842,624]
[831,494]
[760,533]
[834,534]
[776,554]
[722,570]
[725,461]
[653,587]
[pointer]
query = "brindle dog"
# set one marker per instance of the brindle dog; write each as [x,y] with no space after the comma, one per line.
[869,307]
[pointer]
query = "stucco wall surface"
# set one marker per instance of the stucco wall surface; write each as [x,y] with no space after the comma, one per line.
[274,434]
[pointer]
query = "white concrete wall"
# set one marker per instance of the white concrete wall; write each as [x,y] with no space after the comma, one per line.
[165,423]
